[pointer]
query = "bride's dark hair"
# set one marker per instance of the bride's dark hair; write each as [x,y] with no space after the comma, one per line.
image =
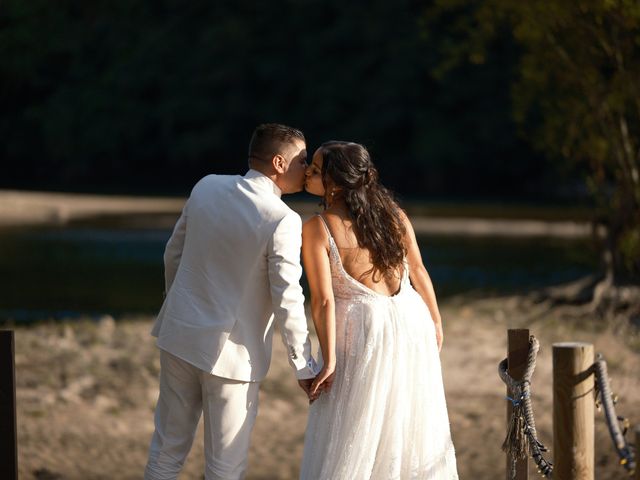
[374,213]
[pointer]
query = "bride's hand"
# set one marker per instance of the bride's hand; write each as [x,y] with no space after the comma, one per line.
[439,336]
[322,382]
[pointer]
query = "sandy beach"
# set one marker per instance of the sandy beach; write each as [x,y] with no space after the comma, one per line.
[87,388]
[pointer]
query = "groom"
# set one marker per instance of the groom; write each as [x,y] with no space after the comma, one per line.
[232,268]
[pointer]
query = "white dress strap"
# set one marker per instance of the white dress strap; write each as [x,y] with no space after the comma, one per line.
[326,226]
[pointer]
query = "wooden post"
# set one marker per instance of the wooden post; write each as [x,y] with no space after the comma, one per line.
[573,411]
[517,354]
[638,452]
[8,437]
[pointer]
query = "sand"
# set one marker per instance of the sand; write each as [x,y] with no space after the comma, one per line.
[87,390]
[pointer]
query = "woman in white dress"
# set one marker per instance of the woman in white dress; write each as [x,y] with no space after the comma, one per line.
[378,407]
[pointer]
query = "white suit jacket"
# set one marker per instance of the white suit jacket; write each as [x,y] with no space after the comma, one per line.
[232,266]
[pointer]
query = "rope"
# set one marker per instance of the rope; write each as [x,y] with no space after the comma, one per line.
[603,391]
[521,436]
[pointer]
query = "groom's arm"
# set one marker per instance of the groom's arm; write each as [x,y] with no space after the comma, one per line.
[286,293]
[173,250]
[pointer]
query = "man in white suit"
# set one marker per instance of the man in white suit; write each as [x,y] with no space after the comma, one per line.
[232,268]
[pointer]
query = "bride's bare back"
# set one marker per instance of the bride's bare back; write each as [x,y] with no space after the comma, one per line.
[357,261]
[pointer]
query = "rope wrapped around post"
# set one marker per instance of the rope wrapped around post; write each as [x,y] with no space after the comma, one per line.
[521,435]
[603,391]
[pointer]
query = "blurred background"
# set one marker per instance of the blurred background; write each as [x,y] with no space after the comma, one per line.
[470,109]
[138,96]
[509,130]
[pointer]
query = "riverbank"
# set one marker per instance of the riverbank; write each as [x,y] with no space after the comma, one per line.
[87,389]
[19,208]
[22,208]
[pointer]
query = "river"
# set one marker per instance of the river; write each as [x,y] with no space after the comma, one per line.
[114,266]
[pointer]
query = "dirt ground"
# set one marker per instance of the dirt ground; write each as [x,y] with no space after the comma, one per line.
[87,390]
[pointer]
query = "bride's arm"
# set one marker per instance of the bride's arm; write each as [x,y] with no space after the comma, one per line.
[420,278]
[315,257]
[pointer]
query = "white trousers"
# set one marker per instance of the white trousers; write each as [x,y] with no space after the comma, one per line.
[229,406]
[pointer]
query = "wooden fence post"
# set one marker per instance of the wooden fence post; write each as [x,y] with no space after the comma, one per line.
[573,411]
[638,452]
[8,437]
[517,354]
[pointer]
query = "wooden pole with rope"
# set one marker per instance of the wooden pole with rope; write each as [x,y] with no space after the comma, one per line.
[517,354]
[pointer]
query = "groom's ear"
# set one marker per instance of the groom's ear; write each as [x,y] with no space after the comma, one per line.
[279,163]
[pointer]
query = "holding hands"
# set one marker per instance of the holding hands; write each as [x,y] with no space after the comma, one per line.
[322,382]
[313,387]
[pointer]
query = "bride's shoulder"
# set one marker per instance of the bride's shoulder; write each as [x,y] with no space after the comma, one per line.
[313,224]
[314,229]
[404,218]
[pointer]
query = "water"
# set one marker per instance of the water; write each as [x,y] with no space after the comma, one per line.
[114,266]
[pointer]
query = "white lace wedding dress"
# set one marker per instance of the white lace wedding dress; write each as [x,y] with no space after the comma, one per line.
[385,417]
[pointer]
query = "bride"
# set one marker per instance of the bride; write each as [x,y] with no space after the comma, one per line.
[378,406]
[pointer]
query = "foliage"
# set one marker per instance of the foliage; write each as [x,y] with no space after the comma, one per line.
[576,96]
[149,95]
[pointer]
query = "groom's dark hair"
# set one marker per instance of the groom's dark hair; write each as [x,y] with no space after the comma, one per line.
[268,140]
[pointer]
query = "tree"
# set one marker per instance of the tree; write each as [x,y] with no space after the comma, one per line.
[97,95]
[576,97]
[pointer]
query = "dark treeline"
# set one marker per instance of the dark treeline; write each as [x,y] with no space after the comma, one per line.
[146,96]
